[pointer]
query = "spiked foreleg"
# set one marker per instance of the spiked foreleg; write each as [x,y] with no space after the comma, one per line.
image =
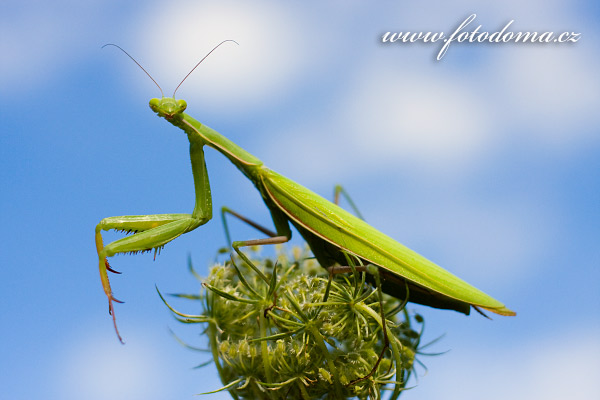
[151,232]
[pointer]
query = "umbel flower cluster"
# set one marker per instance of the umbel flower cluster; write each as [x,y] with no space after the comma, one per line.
[285,330]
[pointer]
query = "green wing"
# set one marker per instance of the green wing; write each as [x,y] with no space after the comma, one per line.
[344,230]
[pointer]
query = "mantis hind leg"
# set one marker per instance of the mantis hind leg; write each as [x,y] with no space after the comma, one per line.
[339,190]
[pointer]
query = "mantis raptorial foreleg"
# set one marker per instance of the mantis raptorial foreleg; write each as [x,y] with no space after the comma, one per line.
[152,232]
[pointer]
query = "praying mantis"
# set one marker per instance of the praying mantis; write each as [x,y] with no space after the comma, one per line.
[331,232]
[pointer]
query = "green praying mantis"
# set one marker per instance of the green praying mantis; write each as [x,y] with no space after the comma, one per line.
[331,232]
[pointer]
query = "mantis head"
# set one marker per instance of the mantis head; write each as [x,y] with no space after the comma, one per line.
[167,107]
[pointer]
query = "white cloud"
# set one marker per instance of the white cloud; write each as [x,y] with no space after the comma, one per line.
[534,14]
[553,95]
[491,243]
[31,49]
[96,368]
[260,70]
[556,367]
[39,40]
[388,119]
[548,95]
[417,119]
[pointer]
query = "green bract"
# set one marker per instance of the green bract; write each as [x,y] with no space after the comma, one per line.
[296,336]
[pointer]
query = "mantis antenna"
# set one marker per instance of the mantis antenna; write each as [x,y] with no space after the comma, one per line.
[199,62]
[189,73]
[138,64]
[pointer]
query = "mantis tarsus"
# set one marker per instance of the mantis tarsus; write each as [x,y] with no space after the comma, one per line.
[331,232]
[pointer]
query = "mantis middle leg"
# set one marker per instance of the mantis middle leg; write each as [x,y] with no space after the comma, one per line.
[283,234]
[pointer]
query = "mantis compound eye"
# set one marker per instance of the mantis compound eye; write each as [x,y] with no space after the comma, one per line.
[154,103]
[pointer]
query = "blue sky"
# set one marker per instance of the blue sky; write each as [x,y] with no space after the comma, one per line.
[487,162]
